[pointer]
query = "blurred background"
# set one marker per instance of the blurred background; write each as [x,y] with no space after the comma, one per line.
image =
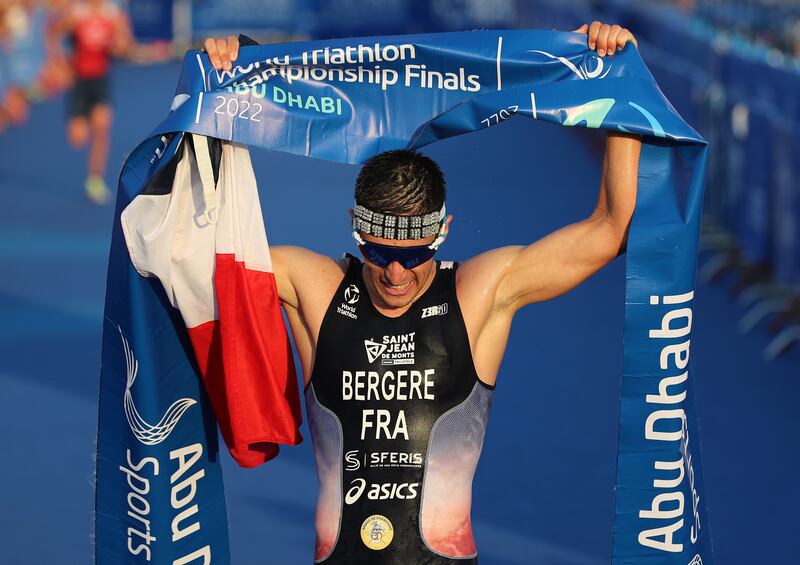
[81,83]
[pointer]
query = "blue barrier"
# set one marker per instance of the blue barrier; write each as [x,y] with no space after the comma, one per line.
[252,17]
[151,20]
[755,207]
[786,205]
[342,18]
[743,98]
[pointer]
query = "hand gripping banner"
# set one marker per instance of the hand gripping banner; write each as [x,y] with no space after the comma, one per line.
[159,490]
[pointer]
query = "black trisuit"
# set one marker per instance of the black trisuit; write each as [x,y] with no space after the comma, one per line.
[397,417]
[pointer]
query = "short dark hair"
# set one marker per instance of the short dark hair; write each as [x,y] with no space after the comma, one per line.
[402,182]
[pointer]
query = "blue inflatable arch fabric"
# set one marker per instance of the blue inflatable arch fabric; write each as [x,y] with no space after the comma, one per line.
[346,100]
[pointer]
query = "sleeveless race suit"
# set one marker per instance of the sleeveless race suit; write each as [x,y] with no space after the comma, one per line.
[93,36]
[397,416]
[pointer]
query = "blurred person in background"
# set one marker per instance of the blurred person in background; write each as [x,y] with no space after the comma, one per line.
[33,67]
[17,39]
[97,30]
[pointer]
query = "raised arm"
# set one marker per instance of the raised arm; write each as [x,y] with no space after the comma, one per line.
[511,277]
[560,261]
[124,44]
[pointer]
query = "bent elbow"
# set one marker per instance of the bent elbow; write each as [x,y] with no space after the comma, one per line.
[612,241]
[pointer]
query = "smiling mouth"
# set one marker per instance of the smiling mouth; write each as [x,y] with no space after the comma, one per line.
[396,289]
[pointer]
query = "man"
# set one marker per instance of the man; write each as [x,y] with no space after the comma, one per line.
[400,353]
[98,30]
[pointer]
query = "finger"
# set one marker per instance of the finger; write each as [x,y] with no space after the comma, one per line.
[224,56]
[594,30]
[233,47]
[602,39]
[624,37]
[583,29]
[211,48]
[612,38]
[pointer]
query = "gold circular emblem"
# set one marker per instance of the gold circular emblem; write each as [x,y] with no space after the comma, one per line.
[377,532]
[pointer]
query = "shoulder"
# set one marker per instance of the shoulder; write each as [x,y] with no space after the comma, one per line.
[300,272]
[292,258]
[112,10]
[76,11]
[478,281]
[482,274]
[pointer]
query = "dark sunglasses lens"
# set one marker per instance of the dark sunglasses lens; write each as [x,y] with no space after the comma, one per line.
[374,255]
[408,257]
[418,259]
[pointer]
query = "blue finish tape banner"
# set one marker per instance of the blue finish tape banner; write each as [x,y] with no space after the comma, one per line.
[160,499]
[159,496]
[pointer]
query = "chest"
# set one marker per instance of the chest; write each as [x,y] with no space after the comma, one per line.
[421,358]
[94,32]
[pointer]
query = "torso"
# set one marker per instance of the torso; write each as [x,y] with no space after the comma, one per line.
[476,285]
[93,32]
[397,413]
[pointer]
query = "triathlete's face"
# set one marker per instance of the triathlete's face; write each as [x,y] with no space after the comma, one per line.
[393,286]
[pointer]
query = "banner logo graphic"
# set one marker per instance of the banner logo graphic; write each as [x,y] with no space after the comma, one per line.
[583,72]
[149,434]
[178,101]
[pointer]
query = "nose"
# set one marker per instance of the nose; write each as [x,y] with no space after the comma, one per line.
[395,272]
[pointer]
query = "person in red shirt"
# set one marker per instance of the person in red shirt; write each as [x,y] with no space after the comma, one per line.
[98,29]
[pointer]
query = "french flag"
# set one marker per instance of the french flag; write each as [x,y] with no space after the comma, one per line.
[203,237]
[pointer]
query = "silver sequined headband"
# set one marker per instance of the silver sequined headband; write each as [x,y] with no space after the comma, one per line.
[389,226]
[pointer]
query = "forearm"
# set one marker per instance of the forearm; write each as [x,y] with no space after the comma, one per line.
[124,43]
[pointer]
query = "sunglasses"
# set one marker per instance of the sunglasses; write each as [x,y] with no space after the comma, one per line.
[384,255]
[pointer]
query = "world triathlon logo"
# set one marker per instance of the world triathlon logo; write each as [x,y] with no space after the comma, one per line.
[351,294]
[696,560]
[146,433]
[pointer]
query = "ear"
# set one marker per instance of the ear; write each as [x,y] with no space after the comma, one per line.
[447,223]
[352,214]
